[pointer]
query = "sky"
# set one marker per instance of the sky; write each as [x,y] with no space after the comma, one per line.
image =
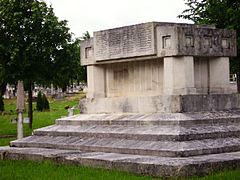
[95,15]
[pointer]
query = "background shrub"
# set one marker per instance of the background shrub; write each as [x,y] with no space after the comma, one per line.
[39,105]
[1,103]
[45,103]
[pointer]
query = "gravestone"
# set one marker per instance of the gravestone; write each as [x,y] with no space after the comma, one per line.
[20,108]
[157,103]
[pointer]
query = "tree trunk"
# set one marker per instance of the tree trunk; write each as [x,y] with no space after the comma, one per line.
[238,82]
[2,91]
[30,112]
[238,78]
[14,91]
[3,88]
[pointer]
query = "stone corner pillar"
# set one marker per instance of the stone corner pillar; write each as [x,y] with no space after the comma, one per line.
[96,81]
[179,75]
[219,75]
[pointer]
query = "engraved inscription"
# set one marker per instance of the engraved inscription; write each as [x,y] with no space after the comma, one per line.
[129,41]
[101,42]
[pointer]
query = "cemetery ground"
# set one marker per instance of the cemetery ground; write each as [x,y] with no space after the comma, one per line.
[49,170]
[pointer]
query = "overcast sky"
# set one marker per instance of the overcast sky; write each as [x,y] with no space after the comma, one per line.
[94,15]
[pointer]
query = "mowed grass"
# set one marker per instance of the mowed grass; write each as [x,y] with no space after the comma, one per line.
[10,169]
[8,130]
[49,170]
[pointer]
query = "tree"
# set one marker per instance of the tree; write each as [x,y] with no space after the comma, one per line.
[68,67]
[222,14]
[68,61]
[32,37]
[1,103]
[85,36]
[2,89]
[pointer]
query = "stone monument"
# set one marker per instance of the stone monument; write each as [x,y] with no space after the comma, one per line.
[158,67]
[158,103]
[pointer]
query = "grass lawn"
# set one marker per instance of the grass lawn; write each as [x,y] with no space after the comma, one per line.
[48,170]
[8,130]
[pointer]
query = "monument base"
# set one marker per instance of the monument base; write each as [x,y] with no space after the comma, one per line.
[164,104]
[158,144]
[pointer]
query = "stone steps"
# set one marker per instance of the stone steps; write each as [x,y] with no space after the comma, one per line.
[171,119]
[146,133]
[140,147]
[161,143]
[148,165]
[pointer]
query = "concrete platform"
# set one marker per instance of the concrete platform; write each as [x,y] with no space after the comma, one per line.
[179,144]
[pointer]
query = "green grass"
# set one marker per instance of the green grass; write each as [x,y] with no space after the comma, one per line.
[40,119]
[6,141]
[48,170]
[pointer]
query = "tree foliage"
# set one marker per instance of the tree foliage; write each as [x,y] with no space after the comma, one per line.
[222,14]
[36,47]
[30,41]
[68,67]
[32,36]
[1,103]
[86,36]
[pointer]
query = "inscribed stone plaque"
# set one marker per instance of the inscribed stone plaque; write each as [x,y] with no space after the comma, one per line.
[124,42]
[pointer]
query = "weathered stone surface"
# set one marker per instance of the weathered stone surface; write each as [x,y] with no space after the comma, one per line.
[211,102]
[129,146]
[165,103]
[149,165]
[149,104]
[159,67]
[20,97]
[144,132]
[156,39]
[156,59]
[195,41]
[169,119]
[87,52]
[137,78]
[127,41]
